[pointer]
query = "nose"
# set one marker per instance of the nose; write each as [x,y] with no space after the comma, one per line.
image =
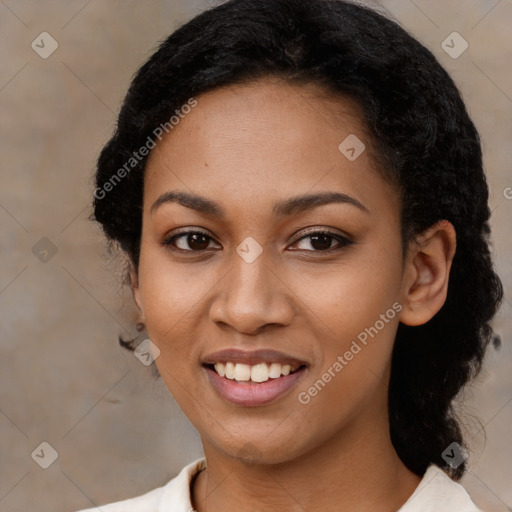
[251,297]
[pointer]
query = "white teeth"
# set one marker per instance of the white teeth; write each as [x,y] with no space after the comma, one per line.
[242,372]
[230,370]
[220,369]
[256,373]
[275,371]
[259,373]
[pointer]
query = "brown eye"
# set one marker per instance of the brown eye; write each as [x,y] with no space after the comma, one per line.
[191,241]
[197,241]
[321,241]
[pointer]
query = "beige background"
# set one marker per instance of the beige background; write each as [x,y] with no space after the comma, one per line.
[63,378]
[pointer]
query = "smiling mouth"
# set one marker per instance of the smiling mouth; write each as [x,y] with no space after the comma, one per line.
[257,373]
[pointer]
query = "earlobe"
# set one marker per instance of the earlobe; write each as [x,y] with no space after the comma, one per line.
[134,284]
[427,274]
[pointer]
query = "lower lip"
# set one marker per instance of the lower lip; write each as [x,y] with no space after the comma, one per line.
[249,393]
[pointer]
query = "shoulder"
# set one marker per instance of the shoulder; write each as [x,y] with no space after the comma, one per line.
[175,495]
[437,492]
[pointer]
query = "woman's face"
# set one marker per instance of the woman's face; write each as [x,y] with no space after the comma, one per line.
[259,290]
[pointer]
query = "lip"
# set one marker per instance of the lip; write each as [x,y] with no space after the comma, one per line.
[253,357]
[252,394]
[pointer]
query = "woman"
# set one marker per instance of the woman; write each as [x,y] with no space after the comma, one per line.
[299,190]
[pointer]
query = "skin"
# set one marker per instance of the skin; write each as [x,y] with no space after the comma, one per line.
[246,147]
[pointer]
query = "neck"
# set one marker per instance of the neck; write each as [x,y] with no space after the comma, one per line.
[357,470]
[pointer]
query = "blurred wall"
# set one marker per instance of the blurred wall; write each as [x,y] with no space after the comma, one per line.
[63,378]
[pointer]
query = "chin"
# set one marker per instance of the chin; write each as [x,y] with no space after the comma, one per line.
[262,449]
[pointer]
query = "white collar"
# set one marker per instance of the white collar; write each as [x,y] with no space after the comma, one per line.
[436,492]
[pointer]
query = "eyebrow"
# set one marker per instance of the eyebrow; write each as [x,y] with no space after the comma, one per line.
[193,201]
[310,201]
[282,208]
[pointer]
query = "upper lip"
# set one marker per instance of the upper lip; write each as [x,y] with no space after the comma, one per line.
[252,357]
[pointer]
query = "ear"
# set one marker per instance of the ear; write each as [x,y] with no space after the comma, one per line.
[134,284]
[427,273]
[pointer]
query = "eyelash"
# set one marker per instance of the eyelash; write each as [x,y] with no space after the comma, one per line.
[343,241]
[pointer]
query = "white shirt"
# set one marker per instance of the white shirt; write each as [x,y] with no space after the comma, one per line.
[436,492]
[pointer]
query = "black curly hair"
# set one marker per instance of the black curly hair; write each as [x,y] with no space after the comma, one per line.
[424,142]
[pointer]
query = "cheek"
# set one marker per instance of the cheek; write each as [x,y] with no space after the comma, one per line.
[169,298]
[170,308]
[351,376]
[351,295]
[169,292]
[355,310]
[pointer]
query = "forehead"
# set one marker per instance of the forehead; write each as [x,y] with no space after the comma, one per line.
[252,143]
